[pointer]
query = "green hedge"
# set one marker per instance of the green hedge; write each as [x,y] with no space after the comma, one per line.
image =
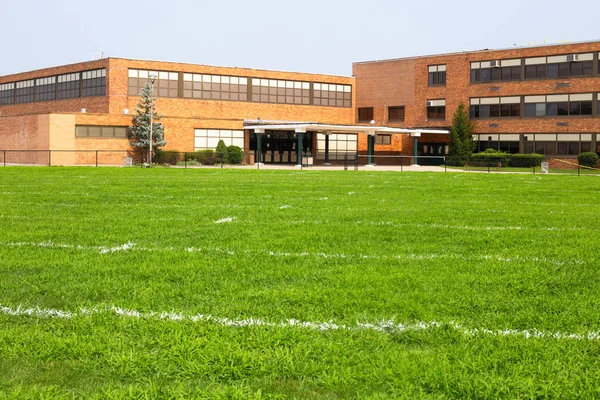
[205,157]
[526,160]
[509,160]
[169,157]
[588,159]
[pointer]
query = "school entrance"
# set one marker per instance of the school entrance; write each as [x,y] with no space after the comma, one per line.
[281,147]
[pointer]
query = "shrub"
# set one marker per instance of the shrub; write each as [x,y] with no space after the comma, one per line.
[492,157]
[526,160]
[235,155]
[588,159]
[221,153]
[205,157]
[167,157]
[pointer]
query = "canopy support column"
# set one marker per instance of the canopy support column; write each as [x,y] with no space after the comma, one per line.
[259,133]
[300,134]
[416,135]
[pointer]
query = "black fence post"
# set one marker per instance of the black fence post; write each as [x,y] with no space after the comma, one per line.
[356,161]
[5,158]
[49,158]
[96,158]
[578,169]
[445,165]
[185,160]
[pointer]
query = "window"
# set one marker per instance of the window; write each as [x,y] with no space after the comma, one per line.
[564,66]
[494,107]
[209,138]
[166,84]
[495,71]
[437,75]
[339,145]
[436,109]
[365,114]
[68,86]
[93,83]
[279,91]
[332,95]
[25,91]
[396,114]
[95,131]
[383,139]
[45,88]
[215,87]
[7,93]
[559,105]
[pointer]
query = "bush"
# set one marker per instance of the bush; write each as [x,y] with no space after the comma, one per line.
[526,160]
[221,153]
[588,159]
[167,157]
[235,155]
[205,157]
[492,156]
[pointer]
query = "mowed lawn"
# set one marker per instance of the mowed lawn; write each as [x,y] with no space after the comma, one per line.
[208,283]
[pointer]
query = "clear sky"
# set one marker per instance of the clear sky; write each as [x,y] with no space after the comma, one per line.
[309,35]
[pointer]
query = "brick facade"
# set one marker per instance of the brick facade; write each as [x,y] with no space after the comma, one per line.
[404,82]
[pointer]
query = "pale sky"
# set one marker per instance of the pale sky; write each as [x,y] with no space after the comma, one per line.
[317,36]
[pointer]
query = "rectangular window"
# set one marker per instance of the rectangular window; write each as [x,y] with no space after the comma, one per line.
[383,139]
[339,145]
[84,131]
[365,114]
[329,94]
[93,83]
[436,112]
[45,89]
[209,138]
[396,114]
[7,93]
[68,86]
[166,84]
[218,87]
[25,92]
[437,75]
[495,71]
[284,92]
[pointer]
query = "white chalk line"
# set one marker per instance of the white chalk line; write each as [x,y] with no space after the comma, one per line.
[215,250]
[387,326]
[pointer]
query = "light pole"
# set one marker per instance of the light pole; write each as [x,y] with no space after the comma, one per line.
[152,79]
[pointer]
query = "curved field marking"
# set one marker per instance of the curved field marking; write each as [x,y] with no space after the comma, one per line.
[106,250]
[387,326]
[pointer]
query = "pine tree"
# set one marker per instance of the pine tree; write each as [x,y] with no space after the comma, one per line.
[221,152]
[139,132]
[461,145]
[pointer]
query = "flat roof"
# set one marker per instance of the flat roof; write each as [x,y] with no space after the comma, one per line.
[479,51]
[317,127]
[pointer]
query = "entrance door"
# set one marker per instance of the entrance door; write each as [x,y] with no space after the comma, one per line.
[280,147]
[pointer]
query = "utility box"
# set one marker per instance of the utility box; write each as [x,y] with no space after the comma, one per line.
[127,161]
[545,168]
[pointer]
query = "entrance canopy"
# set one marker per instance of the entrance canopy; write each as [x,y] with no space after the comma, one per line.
[303,127]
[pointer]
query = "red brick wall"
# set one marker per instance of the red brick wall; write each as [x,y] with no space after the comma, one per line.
[378,85]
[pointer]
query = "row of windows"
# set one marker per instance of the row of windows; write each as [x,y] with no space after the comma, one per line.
[83,131]
[339,145]
[84,84]
[551,67]
[541,143]
[209,138]
[238,88]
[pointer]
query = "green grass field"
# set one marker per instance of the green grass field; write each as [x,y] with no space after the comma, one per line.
[171,283]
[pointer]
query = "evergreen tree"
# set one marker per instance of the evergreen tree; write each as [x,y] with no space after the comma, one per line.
[221,153]
[139,132]
[461,145]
